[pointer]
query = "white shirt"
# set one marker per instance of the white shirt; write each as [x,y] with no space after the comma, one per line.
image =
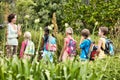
[12,35]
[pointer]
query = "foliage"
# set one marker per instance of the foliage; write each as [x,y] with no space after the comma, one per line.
[23,69]
[74,12]
[22,9]
[80,15]
[46,8]
[2,7]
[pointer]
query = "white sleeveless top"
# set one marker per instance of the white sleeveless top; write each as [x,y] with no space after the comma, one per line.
[12,35]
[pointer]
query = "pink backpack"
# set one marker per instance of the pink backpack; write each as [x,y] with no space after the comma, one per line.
[51,47]
[71,47]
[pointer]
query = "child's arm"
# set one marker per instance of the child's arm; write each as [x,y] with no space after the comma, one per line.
[63,49]
[81,40]
[42,44]
[82,44]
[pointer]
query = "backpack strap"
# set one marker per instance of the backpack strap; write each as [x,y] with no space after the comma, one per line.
[106,49]
[85,50]
[23,48]
[26,45]
[85,53]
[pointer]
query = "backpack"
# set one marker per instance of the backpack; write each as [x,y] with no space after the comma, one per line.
[93,52]
[71,48]
[51,44]
[29,48]
[109,47]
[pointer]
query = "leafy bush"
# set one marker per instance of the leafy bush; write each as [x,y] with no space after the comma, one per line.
[80,15]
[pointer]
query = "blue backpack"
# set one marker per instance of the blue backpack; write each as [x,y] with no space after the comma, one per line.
[109,47]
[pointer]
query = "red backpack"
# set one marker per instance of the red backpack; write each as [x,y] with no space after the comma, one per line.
[93,53]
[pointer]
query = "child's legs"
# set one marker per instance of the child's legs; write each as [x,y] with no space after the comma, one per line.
[51,56]
[27,57]
[83,60]
[71,58]
[65,57]
[48,56]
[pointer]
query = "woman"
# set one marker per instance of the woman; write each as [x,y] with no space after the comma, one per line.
[13,31]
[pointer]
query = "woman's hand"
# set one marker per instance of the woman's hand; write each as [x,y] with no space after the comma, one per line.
[19,29]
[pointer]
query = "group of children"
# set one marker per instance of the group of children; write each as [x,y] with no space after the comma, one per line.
[68,52]
[49,46]
[86,45]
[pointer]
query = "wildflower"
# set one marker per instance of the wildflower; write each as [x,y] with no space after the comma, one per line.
[40,28]
[27,17]
[96,23]
[1,52]
[37,20]
[66,24]
[49,27]
[52,25]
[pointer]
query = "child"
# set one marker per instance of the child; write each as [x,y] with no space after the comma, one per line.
[27,47]
[48,45]
[65,55]
[85,44]
[101,44]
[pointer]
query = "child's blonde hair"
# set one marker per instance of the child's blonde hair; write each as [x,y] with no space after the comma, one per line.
[69,30]
[27,35]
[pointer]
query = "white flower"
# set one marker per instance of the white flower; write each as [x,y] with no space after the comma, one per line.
[52,25]
[66,24]
[96,23]
[27,17]
[37,20]
[1,52]
[40,28]
[49,27]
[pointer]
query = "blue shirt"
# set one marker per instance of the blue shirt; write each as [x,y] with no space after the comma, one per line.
[85,45]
